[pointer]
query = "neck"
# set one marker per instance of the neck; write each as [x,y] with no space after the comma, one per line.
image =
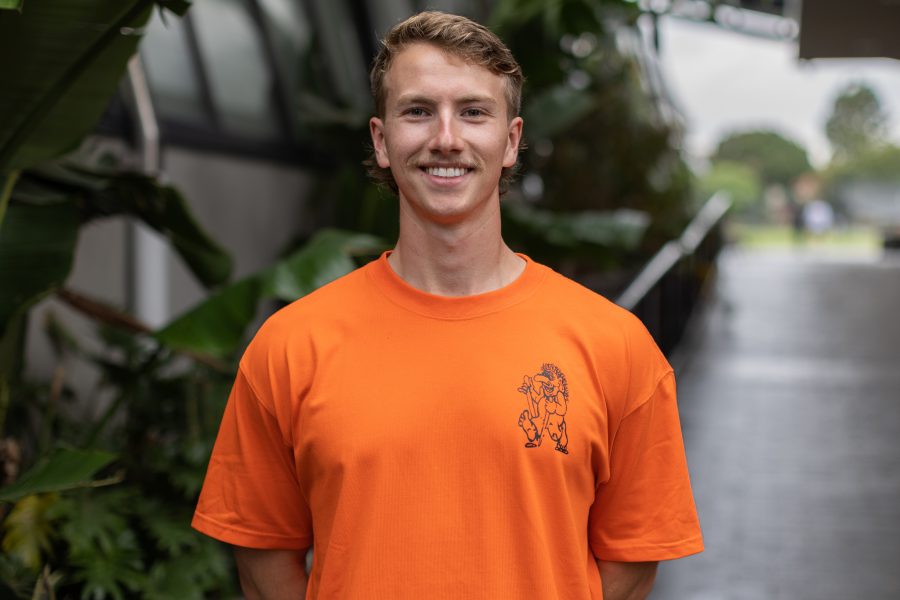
[461,259]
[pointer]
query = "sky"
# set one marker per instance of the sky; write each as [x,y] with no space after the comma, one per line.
[724,81]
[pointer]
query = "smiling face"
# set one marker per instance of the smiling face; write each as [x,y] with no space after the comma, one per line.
[445,134]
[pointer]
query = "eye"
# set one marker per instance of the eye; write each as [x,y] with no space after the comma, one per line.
[473,112]
[415,111]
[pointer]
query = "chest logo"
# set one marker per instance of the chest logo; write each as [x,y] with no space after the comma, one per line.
[547,399]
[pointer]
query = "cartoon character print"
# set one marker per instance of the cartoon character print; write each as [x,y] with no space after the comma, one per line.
[547,396]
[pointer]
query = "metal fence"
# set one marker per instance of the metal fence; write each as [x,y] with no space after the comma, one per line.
[665,291]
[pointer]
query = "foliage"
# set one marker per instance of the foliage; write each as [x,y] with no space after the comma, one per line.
[775,158]
[63,529]
[589,124]
[117,541]
[739,180]
[64,469]
[59,59]
[109,476]
[879,166]
[218,325]
[567,238]
[857,124]
[159,425]
[603,137]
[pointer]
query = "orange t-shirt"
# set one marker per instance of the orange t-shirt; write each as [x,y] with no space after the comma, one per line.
[488,446]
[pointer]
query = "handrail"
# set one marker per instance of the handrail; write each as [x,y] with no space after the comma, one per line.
[671,253]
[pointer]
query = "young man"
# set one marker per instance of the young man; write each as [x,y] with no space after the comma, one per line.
[452,420]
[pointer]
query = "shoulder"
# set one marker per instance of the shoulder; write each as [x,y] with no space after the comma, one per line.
[327,303]
[593,309]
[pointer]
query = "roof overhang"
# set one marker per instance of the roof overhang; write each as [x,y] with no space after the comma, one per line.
[845,29]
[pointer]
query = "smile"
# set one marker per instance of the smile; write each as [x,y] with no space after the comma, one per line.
[446,171]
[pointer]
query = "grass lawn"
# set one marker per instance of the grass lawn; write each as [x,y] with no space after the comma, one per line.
[777,236]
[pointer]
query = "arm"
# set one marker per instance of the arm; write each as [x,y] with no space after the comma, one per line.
[627,580]
[272,574]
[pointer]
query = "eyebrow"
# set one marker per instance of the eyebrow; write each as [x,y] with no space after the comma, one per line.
[473,99]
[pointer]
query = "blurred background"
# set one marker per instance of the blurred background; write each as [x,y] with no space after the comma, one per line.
[173,171]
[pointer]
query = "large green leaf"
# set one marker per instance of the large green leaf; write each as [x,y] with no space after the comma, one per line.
[164,209]
[326,257]
[108,193]
[37,243]
[61,62]
[217,326]
[620,229]
[65,469]
[11,5]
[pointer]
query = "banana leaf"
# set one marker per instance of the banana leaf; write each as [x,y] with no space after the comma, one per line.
[37,245]
[65,469]
[39,233]
[61,62]
[217,325]
[106,193]
[597,238]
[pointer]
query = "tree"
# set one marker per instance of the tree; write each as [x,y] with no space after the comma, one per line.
[740,181]
[857,123]
[775,158]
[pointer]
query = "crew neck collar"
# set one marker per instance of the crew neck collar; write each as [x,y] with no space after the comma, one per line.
[453,307]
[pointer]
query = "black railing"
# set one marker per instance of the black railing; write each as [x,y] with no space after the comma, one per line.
[665,291]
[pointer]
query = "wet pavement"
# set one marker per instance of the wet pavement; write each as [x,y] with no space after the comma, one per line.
[789,387]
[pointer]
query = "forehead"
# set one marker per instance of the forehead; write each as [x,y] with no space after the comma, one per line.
[425,69]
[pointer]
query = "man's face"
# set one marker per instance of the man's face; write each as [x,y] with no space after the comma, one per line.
[445,134]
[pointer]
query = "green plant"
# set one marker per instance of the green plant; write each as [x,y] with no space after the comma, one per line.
[596,141]
[775,158]
[857,124]
[99,484]
[739,180]
[602,139]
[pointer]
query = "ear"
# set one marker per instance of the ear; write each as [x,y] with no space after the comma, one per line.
[376,130]
[514,136]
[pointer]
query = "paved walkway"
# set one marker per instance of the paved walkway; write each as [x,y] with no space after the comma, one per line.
[790,397]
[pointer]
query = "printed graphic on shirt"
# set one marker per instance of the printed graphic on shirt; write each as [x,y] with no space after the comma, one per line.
[547,399]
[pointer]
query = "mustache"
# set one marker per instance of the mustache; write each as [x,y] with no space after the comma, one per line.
[444,164]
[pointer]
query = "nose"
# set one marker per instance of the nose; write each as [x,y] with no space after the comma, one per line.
[447,138]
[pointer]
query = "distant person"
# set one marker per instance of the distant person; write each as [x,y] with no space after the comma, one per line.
[798,229]
[818,217]
[452,420]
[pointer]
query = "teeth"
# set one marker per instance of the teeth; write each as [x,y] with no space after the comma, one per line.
[445,172]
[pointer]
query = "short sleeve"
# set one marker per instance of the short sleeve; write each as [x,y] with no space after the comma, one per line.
[645,510]
[251,496]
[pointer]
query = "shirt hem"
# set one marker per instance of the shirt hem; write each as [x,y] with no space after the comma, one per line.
[238,537]
[648,553]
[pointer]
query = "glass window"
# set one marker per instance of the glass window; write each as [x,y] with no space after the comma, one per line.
[288,29]
[170,73]
[341,48]
[241,80]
